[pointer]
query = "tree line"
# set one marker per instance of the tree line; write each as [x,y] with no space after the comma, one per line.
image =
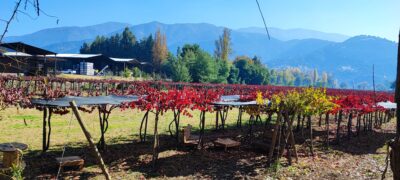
[191,63]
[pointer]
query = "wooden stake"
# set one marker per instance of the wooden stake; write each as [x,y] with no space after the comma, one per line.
[274,136]
[90,140]
[156,144]
[44,133]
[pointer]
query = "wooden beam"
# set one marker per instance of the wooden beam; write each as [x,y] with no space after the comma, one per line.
[90,140]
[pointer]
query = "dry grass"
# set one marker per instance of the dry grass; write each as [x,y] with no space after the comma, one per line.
[122,123]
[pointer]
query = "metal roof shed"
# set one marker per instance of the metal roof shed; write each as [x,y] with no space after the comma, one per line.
[26,48]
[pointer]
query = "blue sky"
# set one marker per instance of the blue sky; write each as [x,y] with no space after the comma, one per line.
[350,17]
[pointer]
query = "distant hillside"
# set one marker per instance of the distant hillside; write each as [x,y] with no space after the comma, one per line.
[349,59]
[292,34]
[50,36]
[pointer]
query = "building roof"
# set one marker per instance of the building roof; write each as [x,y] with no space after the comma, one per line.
[80,56]
[123,59]
[26,48]
[16,54]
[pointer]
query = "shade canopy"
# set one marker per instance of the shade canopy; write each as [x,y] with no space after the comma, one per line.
[388,105]
[86,101]
[230,98]
[232,103]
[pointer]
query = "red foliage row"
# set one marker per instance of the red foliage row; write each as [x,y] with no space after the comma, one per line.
[164,96]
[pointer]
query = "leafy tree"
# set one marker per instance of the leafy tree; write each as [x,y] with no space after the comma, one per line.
[223,71]
[298,78]
[160,50]
[259,75]
[181,72]
[144,52]
[315,77]
[126,43]
[202,69]
[242,64]
[288,78]
[85,48]
[273,77]
[177,69]
[251,73]
[324,79]
[257,60]
[126,73]
[194,48]
[223,45]
[125,46]
[233,77]
[136,72]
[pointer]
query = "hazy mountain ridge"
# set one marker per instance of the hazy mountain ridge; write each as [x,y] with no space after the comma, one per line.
[349,59]
[57,35]
[298,33]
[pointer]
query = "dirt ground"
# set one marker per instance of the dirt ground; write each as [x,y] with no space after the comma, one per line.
[360,157]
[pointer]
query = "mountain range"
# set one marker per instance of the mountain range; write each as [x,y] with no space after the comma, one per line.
[349,59]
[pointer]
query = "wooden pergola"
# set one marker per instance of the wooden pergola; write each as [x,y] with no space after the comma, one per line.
[104,104]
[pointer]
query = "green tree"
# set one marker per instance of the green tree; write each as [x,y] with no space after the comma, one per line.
[288,78]
[176,68]
[85,48]
[126,43]
[251,73]
[181,72]
[136,72]
[145,52]
[223,68]
[202,69]
[233,75]
[193,48]
[126,73]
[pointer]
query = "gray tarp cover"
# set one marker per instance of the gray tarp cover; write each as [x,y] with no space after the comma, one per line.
[233,100]
[230,98]
[230,103]
[82,101]
[388,105]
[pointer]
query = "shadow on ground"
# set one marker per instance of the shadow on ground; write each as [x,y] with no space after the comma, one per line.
[124,154]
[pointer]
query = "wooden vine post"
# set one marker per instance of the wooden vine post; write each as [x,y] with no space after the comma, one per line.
[44,145]
[156,142]
[90,140]
[395,143]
